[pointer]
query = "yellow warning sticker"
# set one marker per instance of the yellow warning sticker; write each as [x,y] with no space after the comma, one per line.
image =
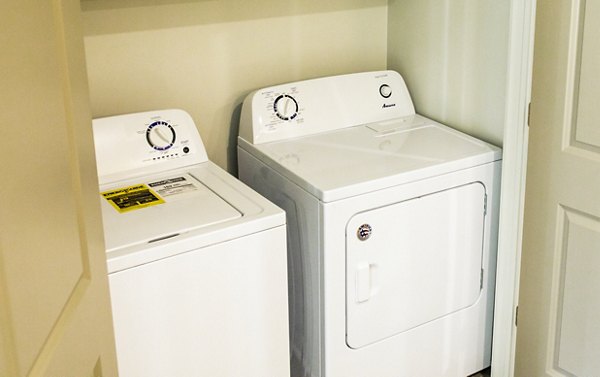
[133,197]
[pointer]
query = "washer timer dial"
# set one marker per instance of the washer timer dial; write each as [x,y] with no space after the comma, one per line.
[286,107]
[160,135]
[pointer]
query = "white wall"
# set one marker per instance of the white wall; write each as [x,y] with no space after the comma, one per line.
[204,56]
[453,56]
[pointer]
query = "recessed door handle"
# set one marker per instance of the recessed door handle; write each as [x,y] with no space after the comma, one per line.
[363,282]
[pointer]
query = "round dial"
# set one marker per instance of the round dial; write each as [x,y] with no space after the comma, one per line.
[160,135]
[285,107]
[385,91]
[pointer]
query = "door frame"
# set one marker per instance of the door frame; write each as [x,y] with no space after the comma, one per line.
[518,95]
[514,167]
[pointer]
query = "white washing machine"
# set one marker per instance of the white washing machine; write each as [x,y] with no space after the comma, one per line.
[392,222]
[196,260]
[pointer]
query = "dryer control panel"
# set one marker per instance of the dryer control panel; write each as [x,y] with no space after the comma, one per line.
[309,107]
[142,143]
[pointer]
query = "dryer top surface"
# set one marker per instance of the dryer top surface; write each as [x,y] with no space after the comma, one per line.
[353,161]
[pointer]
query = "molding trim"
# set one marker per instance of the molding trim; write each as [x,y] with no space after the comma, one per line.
[516,132]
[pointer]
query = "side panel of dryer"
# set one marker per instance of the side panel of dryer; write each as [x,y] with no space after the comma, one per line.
[380,322]
[218,311]
[304,260]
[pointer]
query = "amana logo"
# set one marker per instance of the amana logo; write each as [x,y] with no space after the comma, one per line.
[364,232]
[385,105]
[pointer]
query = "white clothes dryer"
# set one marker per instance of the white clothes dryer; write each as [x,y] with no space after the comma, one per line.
[392,221]
[196,259]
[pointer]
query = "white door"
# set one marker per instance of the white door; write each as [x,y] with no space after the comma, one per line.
[424,254]
[54,304]
[558,318]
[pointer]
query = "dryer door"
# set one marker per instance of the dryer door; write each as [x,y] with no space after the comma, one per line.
[413,262]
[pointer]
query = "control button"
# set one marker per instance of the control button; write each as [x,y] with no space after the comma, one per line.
[186,149]
[385,91]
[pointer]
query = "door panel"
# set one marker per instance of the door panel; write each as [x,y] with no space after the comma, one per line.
[421,261]
[585,132]
[577,326]
[558,327]
[54,317]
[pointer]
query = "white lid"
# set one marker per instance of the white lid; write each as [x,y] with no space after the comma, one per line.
[187,204]
[208,207]
[352,161]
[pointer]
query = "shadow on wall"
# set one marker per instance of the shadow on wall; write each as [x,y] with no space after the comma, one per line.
[232,166]
[138,15]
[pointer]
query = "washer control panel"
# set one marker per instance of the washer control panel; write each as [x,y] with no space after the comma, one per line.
[308,107]
[132,144]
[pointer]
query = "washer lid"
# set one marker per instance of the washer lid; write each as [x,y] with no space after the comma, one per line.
[159,207]
[365,158]
[218,208]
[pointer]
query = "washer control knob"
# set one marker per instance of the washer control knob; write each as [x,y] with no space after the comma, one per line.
[285,107]
[364,232]
[160,135]
[385,91]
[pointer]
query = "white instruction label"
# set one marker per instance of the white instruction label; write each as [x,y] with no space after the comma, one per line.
[173,186]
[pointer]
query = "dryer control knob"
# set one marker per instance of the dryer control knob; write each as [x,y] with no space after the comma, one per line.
[285,107]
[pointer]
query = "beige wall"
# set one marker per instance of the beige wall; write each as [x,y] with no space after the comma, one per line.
[205,56]
[453,56]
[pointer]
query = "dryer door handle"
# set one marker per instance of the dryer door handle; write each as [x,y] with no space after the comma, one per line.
[363,282]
